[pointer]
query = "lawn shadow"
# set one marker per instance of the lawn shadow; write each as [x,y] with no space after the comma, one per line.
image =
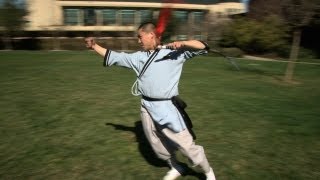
[144,146]
[257,69]
[146,150]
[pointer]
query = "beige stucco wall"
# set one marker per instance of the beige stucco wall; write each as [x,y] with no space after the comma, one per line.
[223,7]
[40,13]
[48,14]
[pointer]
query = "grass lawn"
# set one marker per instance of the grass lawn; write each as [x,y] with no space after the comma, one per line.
[64,116]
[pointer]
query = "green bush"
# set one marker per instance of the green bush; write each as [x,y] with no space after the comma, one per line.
[304,53]
[283,51]
[257,37]
[307,53]
[233,52]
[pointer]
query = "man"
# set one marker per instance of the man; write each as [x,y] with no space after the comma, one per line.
[158,72]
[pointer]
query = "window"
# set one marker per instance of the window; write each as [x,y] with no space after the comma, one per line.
[198,17]
[127,17]
[145,15]
[182,37]
[181,16]
[71,16]
[90,17]
[198,36]
[109,17]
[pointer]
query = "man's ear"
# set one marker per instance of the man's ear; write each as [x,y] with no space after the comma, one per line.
[156,36]
[153,34]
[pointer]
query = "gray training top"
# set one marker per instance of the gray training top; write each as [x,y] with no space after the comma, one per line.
[160,80]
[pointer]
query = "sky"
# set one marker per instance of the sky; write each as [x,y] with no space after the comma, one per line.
[18,1]
[246,2]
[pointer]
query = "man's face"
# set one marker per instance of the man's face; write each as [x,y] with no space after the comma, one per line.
[147,40]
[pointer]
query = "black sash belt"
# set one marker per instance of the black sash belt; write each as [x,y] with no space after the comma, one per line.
[180,105]
[154,99]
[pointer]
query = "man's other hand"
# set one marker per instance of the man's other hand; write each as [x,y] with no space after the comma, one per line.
[90,42]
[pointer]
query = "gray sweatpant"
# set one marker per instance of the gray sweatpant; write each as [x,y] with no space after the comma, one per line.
[165,142]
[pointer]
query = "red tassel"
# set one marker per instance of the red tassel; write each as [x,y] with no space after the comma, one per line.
[163,20]
[164,16]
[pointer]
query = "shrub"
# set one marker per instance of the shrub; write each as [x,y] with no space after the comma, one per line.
[233,52]
[307,53]
[257,37]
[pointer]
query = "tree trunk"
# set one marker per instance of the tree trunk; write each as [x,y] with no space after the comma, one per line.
[293,55]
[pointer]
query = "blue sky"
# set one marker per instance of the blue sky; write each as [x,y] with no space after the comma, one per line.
[246,2]
[18,1]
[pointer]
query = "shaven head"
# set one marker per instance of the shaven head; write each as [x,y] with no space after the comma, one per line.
[147,37]
[147,27]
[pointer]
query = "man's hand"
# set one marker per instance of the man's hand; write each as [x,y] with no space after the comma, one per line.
[176,45]
[192,44]
[90,42]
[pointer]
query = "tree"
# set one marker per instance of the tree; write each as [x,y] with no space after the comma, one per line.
[298,14]
[255,36]
[258,9]
[12,20]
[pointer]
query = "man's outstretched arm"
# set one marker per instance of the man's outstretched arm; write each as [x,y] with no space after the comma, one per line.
[91,44]
[193,44]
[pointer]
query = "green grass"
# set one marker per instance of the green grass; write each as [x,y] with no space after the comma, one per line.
[64,116]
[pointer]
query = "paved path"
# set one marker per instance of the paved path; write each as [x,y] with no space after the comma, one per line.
[269,59]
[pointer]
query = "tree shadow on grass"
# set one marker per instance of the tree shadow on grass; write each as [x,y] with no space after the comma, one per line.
[146,150]
[276,76]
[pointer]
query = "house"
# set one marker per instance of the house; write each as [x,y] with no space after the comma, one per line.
[117,21]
